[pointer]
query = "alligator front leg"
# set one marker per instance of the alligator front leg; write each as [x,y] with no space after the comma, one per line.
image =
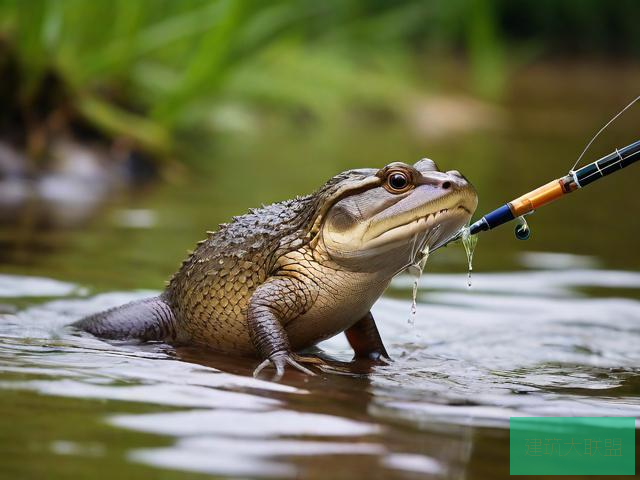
[271,306]
[365,340]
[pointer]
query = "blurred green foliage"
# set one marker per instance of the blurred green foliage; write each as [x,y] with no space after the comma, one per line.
[148,69]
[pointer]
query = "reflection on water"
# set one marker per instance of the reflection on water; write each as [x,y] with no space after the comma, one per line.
[528,342]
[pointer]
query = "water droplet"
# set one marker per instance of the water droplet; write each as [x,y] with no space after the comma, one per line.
[414,305]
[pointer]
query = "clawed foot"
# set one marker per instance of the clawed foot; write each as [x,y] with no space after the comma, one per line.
[281,359]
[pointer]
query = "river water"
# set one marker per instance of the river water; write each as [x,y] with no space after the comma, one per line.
[550,326]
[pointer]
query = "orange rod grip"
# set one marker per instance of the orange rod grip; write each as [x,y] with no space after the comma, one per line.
[537,198]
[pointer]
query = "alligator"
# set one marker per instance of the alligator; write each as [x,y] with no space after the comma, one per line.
[281,278]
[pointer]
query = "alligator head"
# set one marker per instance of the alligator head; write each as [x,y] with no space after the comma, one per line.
[383,219]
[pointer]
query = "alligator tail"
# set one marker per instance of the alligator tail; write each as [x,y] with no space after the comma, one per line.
[147,319]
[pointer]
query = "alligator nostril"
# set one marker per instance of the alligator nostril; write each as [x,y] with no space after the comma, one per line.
[446,185]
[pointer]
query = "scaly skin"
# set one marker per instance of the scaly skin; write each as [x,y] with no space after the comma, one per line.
[289,275]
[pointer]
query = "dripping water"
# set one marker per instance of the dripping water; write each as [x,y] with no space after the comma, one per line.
[469,242]
[417,270]
[414,306]
[418,256]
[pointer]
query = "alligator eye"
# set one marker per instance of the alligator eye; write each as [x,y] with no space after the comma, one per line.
[398,181]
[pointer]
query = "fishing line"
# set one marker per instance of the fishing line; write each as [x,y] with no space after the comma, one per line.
[603,129]
[574,180]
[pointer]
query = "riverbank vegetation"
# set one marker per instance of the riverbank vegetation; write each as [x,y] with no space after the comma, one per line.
[152,75]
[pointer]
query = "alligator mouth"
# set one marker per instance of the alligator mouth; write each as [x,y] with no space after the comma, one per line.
[425,232]
[425,224]
[441,230]
[430,216]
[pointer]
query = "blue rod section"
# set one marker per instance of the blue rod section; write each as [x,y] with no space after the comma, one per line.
[492,220]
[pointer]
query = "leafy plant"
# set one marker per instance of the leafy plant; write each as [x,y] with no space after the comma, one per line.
[147,69]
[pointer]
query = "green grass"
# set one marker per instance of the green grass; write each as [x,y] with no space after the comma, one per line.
[149,68]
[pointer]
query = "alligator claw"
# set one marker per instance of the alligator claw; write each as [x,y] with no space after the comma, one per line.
[280,360]
[378,358]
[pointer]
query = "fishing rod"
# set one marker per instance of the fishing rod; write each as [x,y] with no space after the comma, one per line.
[574,180]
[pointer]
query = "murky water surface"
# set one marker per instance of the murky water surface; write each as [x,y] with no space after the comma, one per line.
[550,327]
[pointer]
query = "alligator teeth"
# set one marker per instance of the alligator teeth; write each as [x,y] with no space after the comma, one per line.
[435,214]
